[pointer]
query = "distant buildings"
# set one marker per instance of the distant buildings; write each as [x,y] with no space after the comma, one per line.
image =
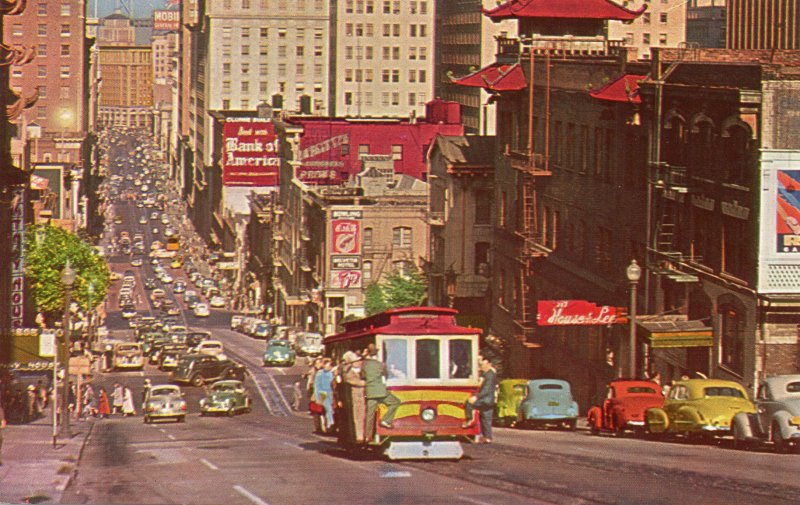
[662,24]
[763,24]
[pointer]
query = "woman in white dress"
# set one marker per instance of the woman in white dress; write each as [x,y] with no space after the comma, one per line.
[127,403]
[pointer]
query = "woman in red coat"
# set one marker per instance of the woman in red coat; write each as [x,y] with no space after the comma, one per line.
[103,410]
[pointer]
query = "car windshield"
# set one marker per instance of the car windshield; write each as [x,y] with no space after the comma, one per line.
[641,390]
[279,343]
[551,386]
[126,348]
[793,387]
[723,391]
[163,391]
[220,388]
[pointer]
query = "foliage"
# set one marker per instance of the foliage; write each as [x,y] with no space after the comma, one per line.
[398,290]
[47,249]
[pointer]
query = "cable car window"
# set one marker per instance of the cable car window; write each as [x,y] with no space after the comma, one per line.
[395,355]
[428,359]
[460,359]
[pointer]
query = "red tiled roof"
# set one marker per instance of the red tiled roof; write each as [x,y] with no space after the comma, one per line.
[572,9]
[623,89]
[496,77]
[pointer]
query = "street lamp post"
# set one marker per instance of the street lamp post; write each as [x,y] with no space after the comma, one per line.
[450,279]
[634,273]
[67,280]
[90,314]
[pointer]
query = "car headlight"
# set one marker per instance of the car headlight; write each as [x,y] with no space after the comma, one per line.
[428,414]
[794,421]
[203,402]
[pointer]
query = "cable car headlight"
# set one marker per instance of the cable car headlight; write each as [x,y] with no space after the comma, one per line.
[428,414]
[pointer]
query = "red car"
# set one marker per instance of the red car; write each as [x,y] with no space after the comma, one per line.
[625,405]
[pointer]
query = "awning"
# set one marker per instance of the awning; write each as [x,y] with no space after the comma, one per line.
[563,9]
[665,332]
[624,89]
[496,77]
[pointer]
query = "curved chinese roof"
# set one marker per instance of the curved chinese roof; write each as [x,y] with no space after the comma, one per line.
[565,9]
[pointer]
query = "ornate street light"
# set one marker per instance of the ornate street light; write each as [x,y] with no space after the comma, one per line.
[67,280]
[634,273]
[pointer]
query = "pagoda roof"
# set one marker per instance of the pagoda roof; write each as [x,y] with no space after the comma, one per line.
[624,88]
[496,77]
[562,9]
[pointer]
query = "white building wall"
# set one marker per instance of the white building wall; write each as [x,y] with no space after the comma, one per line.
[384,57]
[663,24]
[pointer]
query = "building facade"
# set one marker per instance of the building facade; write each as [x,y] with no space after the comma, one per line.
[464,44]
[706,23]
[662,24]
[763,24]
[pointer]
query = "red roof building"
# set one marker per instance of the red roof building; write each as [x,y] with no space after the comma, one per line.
[496,77]
[624,89]
[562,9]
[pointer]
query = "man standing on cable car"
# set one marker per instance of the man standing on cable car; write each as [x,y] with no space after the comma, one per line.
[375,391]
[484,401]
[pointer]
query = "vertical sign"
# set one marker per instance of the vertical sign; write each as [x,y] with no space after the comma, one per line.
[787,223]
[345,249]
[250,153]
[18,258]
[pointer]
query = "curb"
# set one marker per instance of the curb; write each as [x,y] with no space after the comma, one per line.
[61,488]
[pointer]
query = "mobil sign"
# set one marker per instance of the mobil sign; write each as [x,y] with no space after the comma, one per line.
[249,153]
[167,20]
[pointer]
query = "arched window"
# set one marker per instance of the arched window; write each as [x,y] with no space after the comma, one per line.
[674,139]
[701,141]
[735,153]
[731,338]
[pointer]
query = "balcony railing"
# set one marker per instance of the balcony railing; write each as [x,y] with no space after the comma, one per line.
[533,163]
[671,177]
[515,48]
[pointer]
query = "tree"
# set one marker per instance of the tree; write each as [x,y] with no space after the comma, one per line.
[47,249]
[398,290]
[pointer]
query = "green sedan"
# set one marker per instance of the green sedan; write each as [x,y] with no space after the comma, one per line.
[279,353]
[225,397]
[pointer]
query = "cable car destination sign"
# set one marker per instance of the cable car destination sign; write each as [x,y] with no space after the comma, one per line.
[578,313]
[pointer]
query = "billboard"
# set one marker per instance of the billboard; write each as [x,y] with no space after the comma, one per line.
[779,221]
[52,178]
[250,153]
[167,20]
[345,272]
[346,232]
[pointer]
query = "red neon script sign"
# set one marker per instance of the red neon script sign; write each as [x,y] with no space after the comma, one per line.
[577,313]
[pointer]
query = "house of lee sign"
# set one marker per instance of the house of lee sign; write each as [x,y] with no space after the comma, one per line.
[577,313]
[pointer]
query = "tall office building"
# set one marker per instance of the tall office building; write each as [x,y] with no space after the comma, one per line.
[705,23]
[56,31]
[763,24]
[663,24]
[464,44]
[383,62]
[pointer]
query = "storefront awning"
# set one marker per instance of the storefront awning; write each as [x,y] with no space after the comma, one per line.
[496,77]
[665,332]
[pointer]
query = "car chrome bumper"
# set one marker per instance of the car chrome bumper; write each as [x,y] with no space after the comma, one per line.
[716,429]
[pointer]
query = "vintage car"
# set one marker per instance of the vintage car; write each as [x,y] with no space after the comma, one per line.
[279,353]
[548,402]
[164,402]
[702,407]
[307,343]
[169,356]
[510,394]
[199,369]
[128,355]
[225,397]
[777,418]
[625,405]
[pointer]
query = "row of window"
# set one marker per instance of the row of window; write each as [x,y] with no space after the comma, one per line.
[387,75]
[41,9]
[263,32]
[281,5]
[41,30]
[388,30]
[388,7]
[387,98]
[263,69]
[388,52]
[65,72]
[663,39]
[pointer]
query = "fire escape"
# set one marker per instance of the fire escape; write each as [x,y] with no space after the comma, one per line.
[532,166]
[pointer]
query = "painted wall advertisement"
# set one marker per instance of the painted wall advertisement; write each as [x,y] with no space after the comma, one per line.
[345,272]
[779,222]
[167,20]
[250,153]
[345,248]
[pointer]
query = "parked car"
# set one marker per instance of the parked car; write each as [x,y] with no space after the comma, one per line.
[217,301]
[169,356]
[261,329]
[199,369]
[179,287]
[236,320]
[699,407]
[510,394]
[625,406]
[307,343]
[211,347]
[279,353]
[777,416]
[548,402]
[128,355]
[226,397]
[164,402]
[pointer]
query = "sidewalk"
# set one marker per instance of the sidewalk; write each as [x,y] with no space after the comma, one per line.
[33,470]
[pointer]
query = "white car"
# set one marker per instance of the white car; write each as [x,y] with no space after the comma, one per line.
[201,310]
[166,278]
[142,220]
[217,301]
[137,262]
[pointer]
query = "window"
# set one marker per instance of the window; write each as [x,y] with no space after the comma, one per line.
[42,91]
[646,18]
[396,30]
[41,9]
[395,75]
[66,10]
[245,68]
[663,18]
[396,53]
[646,39]
[348,6]
[427,359]
[481,258]
[226,68]
[65,71]
[63,92]
[245,86]
[395,98]
[363,149]
[366,272]
[731,343]
[65,30]
[348,75]
[17,29]
[281,51]
[245,50]
[483,206]
[412,30]
[348,98]
[263,69]
[412,53]
[662,39]
[395,356]
[263,33]
[423,76]
[423,53]
[401,236]
[397,153]
[387,7]
[41,50]
[412,99]
[385,75]
[226,32]
[41,30]
[366,238]
[281,69]
[245,32]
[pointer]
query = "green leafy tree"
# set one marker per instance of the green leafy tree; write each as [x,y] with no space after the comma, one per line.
[47,249]
[398,290]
